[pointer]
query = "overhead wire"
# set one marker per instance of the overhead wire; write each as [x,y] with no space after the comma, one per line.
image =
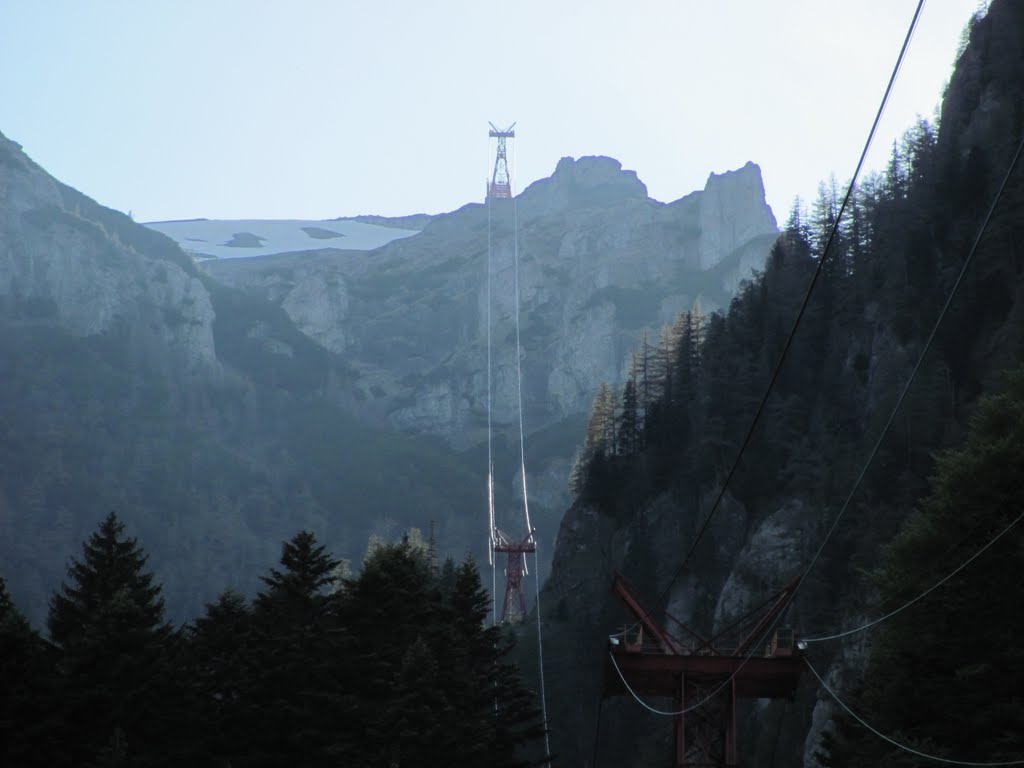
[897,744]
[519,370]
[920,359]
[806,300]
[597,733]
[490,453]
[522,443]
[896,408]
[522,464]
[540,654]
[878,443]
[932,588]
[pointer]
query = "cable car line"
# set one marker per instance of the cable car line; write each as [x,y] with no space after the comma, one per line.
[806,300]
[878,443]
[895,743]
[932,588]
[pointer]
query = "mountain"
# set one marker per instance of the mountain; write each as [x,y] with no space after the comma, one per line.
[133,382]
[220,407]
[641,509]
[599,264]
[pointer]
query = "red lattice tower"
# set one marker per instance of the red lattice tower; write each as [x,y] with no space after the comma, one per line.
[500,184]
[704,677]
[513,609]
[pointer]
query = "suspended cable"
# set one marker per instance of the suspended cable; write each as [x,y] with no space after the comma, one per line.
[888,425]
[540,658]
[895,743]
[644,704]
[807,296]
[927,592]
[490,454]
[920,360]
[597,734]
[519,371]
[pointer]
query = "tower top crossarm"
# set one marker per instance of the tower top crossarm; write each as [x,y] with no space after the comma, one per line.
[500,185]
[497,132]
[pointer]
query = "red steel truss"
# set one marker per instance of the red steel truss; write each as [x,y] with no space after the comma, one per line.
[707,674]
[500,184]
[514,607]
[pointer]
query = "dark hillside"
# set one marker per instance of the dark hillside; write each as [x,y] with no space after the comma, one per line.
[197,412]
[653,465]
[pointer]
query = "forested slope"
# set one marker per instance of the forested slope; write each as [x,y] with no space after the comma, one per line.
[657,453]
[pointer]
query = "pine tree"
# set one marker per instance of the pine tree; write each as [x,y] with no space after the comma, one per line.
[25,690]
[970,627]
[299,704]
[629,421]
[392,602]
[497,722]
[598,444]
[299,589]
[222,668]
[108,622]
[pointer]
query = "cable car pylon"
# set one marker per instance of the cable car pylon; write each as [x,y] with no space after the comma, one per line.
[513,608]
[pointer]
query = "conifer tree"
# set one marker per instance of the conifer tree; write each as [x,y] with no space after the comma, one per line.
[25,695]
[108,622]
[222,668]
[956,651]
[299,589]
[629,422]
[298,697]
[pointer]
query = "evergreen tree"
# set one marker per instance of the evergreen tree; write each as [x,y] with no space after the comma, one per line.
[956,650]
[300,705]
[107,620]
[629,422]
[26,697]
[591,463]
[299,589]
[222,667]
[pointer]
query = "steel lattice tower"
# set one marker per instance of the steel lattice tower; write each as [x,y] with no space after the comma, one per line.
[500,184]
[513,609]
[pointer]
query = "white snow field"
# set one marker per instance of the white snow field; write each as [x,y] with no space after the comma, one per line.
[232,239]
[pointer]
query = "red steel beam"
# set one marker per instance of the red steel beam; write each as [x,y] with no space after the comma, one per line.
[621,588]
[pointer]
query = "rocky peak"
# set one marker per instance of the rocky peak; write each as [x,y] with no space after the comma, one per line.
[587,182]
[733,211]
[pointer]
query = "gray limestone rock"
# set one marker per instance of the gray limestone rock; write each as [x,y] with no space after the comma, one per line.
[596,264]
[59,263]
[773,555]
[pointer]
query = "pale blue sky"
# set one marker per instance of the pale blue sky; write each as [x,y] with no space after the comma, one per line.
[258,109]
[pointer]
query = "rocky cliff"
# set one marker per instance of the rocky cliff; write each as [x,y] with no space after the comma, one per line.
[89,273]
[132,381]
[220,409]
[837,390]
[599,264]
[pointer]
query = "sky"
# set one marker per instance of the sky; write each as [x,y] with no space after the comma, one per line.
[316,109]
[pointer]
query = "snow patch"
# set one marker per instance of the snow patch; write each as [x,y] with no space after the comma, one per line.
[232,239]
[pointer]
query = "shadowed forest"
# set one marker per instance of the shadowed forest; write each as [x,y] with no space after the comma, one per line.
[394,666]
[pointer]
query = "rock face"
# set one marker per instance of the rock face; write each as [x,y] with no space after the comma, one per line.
[599,263]
[63,260]
[732,212]
[596,264]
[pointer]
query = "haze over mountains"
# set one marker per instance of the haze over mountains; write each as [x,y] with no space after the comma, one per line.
[221,406]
